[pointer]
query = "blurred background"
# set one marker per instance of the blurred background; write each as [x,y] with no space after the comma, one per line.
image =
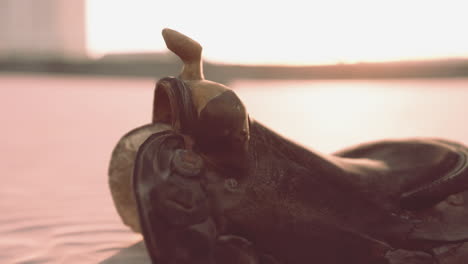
[76,75]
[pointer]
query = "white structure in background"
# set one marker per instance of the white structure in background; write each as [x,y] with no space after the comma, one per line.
[42,28]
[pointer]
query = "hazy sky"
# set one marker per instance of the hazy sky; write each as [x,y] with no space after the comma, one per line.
[248,31]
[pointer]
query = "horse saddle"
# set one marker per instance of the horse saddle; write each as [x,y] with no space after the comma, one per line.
[207,179]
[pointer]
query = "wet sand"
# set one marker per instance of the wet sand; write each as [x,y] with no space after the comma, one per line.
[58,132]
[57,136]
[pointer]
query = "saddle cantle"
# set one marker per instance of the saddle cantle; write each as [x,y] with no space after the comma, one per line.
[417,172]
[428,177]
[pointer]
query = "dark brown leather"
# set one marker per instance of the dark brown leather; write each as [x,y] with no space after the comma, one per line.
[420,172]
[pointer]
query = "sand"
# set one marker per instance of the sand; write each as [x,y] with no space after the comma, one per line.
[57,135]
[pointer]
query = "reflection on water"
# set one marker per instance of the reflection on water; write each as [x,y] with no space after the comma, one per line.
[58,132]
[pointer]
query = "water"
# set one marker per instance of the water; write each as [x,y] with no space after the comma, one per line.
[58,132]
[328,115]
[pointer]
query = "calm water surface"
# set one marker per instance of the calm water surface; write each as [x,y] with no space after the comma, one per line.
[58,132]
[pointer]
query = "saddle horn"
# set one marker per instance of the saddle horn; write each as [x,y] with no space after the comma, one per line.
[188,50]
[220,120]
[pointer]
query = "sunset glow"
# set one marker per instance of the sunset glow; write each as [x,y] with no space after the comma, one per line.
[285,32]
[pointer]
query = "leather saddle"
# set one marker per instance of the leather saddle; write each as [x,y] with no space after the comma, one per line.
[194,186]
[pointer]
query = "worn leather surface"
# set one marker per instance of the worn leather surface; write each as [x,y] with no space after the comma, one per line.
[323,202]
